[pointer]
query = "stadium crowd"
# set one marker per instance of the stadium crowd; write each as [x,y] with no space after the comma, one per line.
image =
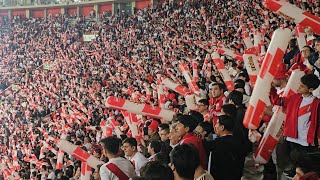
[55,85]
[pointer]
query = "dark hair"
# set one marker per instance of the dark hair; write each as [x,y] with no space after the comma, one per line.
[221,86]
[310,48]
[132,141]
[139,178]
[317,40]
[240,81]
[155,170]
[69,172]
[229,109]
[185,158]
[227,122]
[97,150]
[292,43]
[311,81]
[111,144]
[188,121]
[162,157]
[204,102]
[44,167]
[307,162]
[207,127]
[197,115]
[236,97]
[164,126]
[156,145]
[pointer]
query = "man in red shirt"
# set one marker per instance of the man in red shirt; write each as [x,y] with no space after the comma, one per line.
[218,99]
[185,127]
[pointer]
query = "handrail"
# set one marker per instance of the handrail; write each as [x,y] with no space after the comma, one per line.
[71,4]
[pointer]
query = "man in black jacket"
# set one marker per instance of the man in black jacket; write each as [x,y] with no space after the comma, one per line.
[227,157]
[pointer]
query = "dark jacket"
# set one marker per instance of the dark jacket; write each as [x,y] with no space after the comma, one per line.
[227,158]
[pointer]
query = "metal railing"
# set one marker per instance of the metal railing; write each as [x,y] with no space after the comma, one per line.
[12,3]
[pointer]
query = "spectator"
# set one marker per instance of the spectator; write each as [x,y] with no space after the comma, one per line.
[153,149]
[185,127]
[227,159]
[184,161]
[174,136]
[203,108]
[153,136]
[131,152]
[117,167]
[155,170]
[302,139]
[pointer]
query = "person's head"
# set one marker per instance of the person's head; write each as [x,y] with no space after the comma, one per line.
[204,129]
[241,82]
[280,77]
[317,44]
[243,76]
[163,126]
[164,134]
[129,146]
[153,127]
[306,52]
[224,125]
[186,124]
[184,159]
[308,83]
[292,43]
[50,168]
[69,172]
[228,109]
[97,152]
[173,135]
[216,90]
[96,175]
[305,165]
[154,147]
[162,157]
[43,168]
[155,170]
[203,105]
[197,116]
[235,97]
[110,146]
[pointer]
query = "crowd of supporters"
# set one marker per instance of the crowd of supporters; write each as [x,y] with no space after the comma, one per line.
[54,84]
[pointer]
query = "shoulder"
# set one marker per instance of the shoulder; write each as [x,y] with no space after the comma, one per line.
[103,168]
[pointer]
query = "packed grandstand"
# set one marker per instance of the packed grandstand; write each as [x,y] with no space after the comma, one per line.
[199,89]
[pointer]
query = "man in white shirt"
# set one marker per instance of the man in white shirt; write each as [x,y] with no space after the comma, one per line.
[130,149]
[118,168]
[51,173]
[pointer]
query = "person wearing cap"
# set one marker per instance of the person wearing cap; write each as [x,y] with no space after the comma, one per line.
[153,134]
[280,79]
[279,83]
[185,127]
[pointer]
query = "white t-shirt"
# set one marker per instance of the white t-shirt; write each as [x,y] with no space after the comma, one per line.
[303,124]
[51,176]
[123,164]
[205,176]
[138,161]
